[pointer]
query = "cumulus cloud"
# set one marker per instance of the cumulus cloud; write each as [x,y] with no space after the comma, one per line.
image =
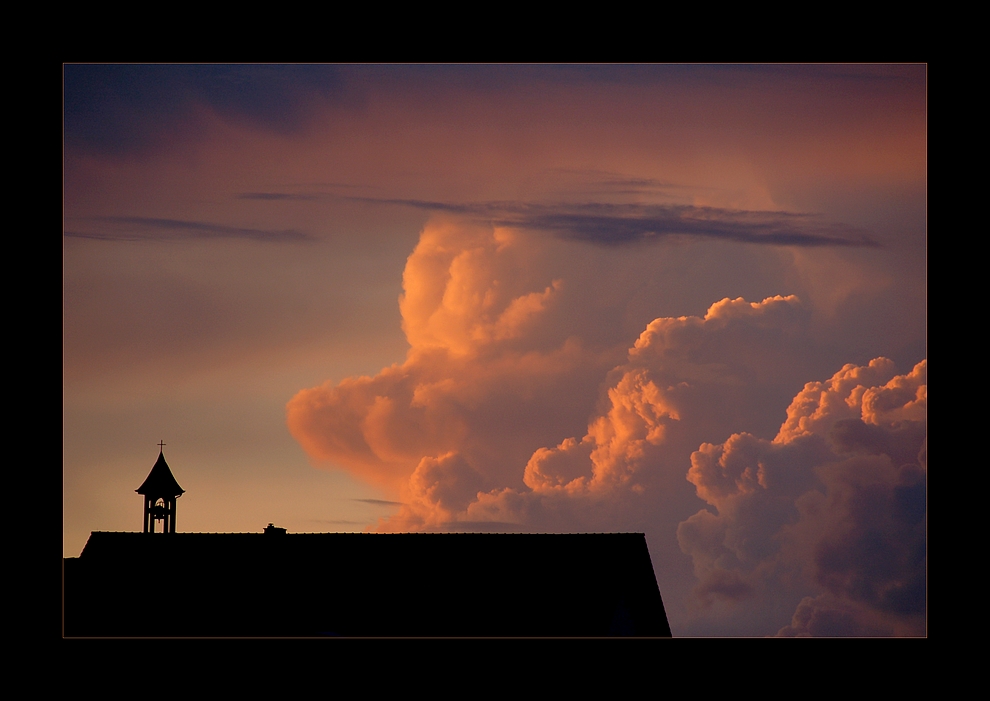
[445,485]
[494,384]
[674,371]
[486,379]
[834,506]
[503,418]
[459,292]
[615,445]
[827,616]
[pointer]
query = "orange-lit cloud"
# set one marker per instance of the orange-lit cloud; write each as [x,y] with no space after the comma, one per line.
[672,364]
[493,380]
[834,506]
[475,429]
[478,365]
[461,292]
[236,233]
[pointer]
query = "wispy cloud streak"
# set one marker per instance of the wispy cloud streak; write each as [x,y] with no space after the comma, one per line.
[608,224]
[150,228]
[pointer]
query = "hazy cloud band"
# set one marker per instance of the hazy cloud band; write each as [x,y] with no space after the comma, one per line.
[150,228]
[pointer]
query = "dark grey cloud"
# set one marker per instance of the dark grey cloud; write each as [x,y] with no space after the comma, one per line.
[615,224]
[879,555]
[123,109]
[609,224]
[379,502]
[827,617]
[151,228]
[901,442]
[851,509]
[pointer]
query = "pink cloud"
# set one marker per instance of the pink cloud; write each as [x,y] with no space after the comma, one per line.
[835,504]
[479,425]
[483,378]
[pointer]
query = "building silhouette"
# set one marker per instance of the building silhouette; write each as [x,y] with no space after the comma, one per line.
[276,583]
[160,490]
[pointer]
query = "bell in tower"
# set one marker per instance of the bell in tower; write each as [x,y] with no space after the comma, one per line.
[160,490]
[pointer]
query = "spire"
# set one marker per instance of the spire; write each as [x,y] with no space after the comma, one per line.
[160,482]
[160,490]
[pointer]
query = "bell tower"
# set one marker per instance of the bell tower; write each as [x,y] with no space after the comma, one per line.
[160,490]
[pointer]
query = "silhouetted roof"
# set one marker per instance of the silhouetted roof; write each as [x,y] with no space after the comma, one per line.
[160,482]
[362,584]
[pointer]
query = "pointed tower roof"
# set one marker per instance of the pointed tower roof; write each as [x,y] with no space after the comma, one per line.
[160,481]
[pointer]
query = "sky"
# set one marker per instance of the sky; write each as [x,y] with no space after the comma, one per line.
[688,301]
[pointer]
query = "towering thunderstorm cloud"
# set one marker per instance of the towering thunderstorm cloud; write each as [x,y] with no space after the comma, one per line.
[479,429]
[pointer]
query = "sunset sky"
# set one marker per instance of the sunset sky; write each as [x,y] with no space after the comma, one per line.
[689,301]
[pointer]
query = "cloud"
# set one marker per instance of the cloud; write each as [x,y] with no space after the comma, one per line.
[447,484]
[834,506]
[151,228]
[826,616]
[503,418]
[623,224]
[484,361]
[473,425]
[612,224]
[684,378]
[616,224]
[124,109]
